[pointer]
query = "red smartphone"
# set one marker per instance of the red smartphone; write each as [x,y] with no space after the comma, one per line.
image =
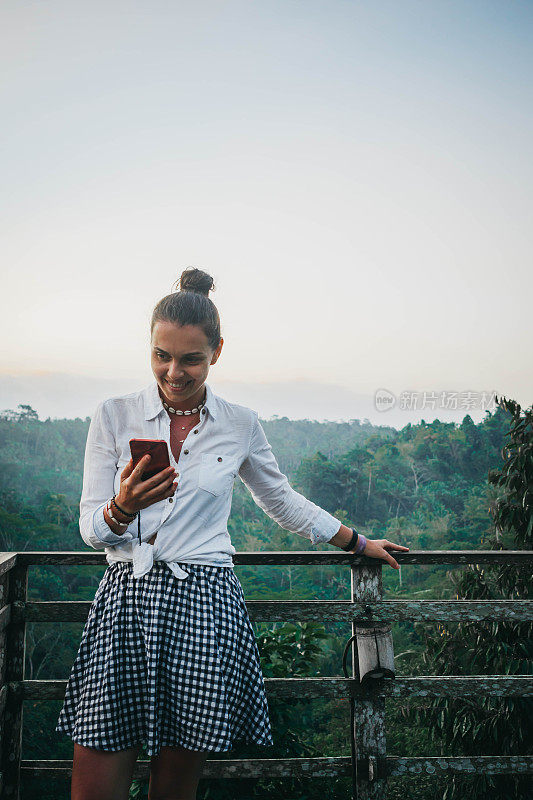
[158,450]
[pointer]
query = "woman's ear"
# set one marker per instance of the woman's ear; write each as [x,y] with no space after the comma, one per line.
[216,354]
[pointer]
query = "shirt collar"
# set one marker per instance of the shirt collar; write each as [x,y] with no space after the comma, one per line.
[154,406]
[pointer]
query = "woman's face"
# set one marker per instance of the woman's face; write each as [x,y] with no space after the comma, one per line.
[181,355]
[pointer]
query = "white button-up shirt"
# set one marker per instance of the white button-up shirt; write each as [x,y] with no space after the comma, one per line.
[228,441]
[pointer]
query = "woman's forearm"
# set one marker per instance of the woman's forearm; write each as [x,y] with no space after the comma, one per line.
[342,537]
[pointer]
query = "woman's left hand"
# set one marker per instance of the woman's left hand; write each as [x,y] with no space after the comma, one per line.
[377,548]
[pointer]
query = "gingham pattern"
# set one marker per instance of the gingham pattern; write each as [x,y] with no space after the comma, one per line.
[167,662]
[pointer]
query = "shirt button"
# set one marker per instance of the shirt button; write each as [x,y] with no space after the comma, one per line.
[177,474]
[195,431]
[203,410]
[170,499]
[219,459]
[186,452]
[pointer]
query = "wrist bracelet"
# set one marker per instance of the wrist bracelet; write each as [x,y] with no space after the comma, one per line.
[112,518]
[353,540]
[126,513]
[361,544]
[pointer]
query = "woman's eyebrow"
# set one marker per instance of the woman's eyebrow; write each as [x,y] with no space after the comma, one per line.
[197,353]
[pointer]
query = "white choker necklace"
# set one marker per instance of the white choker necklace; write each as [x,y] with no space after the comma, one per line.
[179,411]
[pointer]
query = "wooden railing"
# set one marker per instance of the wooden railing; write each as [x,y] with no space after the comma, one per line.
[366,606]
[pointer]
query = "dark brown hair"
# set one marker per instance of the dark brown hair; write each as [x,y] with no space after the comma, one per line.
[191,305]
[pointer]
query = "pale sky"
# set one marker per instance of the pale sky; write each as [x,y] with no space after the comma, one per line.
[356,176]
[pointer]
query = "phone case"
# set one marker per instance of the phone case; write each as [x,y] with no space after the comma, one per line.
[158,450]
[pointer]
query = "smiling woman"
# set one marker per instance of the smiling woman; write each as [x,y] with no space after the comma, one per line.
[168,656]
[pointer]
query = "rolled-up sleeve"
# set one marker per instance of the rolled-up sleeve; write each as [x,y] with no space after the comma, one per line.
[99,470]
[272,492]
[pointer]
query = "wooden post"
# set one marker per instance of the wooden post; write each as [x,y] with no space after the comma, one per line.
[4,587]
[366,584]
[15,641]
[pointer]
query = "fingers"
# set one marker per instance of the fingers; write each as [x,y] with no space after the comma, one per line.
[157,479]
[386,543]
[387,556]
[141,465]
[163,489]
[161,480]
[392,561]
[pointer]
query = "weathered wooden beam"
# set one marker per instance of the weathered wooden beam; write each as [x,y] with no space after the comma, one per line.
[3,698]
[7,562]
[5,619]
[43,558]
[322,610]
[343,688]
[309,557]
[228,768]
[5,616]
[337,766]
[467,765]
[391,610]
[15,642]
[401,687]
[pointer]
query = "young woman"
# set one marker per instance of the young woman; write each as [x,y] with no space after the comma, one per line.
[168,655]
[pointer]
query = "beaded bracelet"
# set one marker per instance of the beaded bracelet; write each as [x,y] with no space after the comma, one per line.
[126,513]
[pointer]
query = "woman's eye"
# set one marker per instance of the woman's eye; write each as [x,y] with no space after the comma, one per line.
[189,360]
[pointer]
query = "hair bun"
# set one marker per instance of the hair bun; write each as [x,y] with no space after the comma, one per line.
[196,280]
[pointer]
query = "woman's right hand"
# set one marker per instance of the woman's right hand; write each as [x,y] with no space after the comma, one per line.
[135,493]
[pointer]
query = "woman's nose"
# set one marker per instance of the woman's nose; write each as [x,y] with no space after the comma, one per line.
[175,374]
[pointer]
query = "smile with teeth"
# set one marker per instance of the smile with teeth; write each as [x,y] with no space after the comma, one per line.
[178,385]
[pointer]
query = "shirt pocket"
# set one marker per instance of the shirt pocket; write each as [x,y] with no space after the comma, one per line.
[217,473]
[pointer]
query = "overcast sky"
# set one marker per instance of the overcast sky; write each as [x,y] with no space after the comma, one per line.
[356,176]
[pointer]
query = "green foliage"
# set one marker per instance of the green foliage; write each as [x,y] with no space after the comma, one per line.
[484,726]
[290,647]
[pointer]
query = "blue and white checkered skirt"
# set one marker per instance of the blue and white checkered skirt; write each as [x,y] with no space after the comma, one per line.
[167,662]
